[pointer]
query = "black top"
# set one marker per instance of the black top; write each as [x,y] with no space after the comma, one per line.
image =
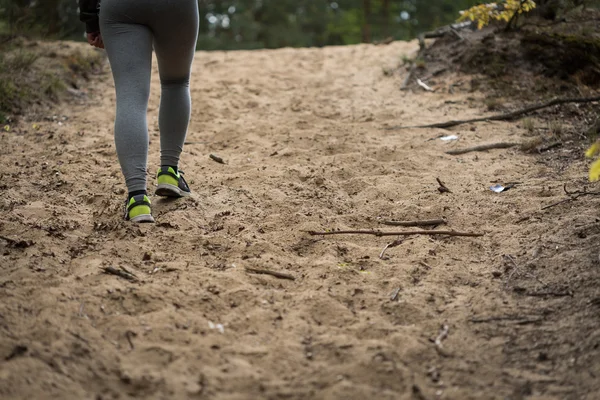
[88,13]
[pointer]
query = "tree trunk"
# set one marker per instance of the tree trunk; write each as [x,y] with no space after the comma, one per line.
[47,12]
[366,28]
[386,18]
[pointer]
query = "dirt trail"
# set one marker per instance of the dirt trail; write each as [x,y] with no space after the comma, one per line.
[301,131]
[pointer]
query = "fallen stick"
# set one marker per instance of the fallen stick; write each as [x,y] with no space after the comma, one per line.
[279,275]
[129,335]
[123,273]
[216,159]
[572,197]
[442,31]
[424,264]
[442,188]
[502,117]
[408,78]
[390,245]
[428,222]
[515,270]
[560,202]
[483,147]
[520,320]
[407,233]
[554,294]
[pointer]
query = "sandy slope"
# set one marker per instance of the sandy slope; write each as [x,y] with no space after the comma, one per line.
[302,134]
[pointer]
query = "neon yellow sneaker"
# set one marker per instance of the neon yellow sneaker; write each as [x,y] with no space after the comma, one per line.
[137,209]
[171,183]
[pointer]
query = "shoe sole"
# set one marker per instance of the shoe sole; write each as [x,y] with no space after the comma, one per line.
[166,190]
[142,218]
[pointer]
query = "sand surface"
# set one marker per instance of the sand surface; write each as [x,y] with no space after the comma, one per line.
[302,132]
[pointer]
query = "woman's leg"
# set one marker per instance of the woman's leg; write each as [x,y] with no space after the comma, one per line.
[175,33]
[129,47]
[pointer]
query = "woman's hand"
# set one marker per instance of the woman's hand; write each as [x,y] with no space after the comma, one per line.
[95,39]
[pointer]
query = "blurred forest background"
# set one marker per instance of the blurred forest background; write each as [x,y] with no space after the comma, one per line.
[252,24]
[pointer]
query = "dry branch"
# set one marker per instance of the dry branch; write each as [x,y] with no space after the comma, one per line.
[279,275]
[407,233]
[216,158]
[444,30]
[518,319]
[409,76]
[395,243]
[503,117]
[442,188]
[483,147]
[572,196]
[122,272]
[428,222]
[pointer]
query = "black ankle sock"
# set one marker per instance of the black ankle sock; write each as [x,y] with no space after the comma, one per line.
[136,193]
[167,166]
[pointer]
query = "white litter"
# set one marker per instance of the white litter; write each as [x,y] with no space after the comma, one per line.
[424,86]
[497,188]
[449,138]
[218,327]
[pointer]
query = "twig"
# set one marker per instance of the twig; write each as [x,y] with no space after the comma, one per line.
[549,147]
[443,188]
[503,117]
[573,196]
[515,270]
[279,275]
[129,335]
[407,233]
[559,203]
[216,159]
[424,264]
[579,192]
[390,245]
[408,78]
[513,19]
[521,320]
[394,295]
[123,273]
[553,294]
[442,31]
[483,147]
[78,336]
[425,86]
[428,222]
[458,35]
[443,335]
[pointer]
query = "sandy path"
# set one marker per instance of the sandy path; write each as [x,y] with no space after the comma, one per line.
[302,134]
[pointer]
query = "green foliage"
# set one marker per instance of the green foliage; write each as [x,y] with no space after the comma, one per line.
[32,74]
[505,11]
[52,85]
[21,60]
[251,24]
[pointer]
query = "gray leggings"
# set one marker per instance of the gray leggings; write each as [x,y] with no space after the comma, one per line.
[129,30]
